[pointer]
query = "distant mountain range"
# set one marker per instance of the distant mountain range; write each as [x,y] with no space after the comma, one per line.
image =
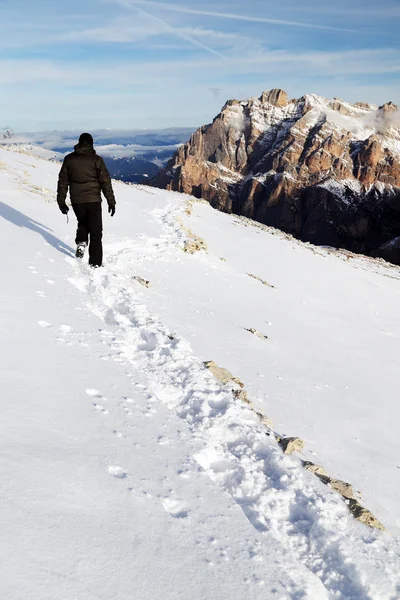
[131,155]
[325,171]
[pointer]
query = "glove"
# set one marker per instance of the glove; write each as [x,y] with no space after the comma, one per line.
[111,209]
[64,209]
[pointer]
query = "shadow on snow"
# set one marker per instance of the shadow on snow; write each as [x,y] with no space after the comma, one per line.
[18,218]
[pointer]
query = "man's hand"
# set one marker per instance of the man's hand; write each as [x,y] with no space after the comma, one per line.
[64,209]
[111,209]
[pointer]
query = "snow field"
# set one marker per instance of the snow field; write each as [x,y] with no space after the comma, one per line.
[276,495]
[206,504]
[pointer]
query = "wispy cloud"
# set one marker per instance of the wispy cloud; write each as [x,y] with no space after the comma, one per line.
[176,31]
[232,16]
[148,27]
[361,9]
[179,33]
[136,75]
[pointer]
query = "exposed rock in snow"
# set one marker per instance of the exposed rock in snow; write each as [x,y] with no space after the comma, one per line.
[257,333]
[261,280]
[316,469]
[363,515]
[143,282]
[222,375]
[291,444]
[194,244]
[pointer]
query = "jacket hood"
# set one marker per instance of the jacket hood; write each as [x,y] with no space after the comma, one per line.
[84,148]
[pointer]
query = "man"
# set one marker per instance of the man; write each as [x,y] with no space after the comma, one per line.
[86,176]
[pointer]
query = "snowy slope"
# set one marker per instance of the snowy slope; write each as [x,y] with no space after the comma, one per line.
[128,471]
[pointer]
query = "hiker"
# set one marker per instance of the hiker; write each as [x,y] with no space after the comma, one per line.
[86,175]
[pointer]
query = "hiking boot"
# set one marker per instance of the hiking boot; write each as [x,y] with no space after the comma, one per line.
[80,250]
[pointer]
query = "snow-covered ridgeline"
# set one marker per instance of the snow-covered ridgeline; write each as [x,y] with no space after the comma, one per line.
[360,121]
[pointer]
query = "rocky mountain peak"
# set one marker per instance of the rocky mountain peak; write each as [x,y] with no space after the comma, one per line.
[276,97]
[388,107]
[326,171]
[6,133]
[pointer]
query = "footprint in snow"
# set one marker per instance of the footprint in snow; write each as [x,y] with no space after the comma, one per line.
[150,412]
[65,329]
[94,393]
[117,472]
[175,508]
[44,324]
[163,441]
[40,293]
[100,408]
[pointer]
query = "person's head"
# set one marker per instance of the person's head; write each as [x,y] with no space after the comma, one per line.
[86,138]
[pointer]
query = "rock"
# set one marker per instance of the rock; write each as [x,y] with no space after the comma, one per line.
[261,280]
[338,105]
[257,333]
[142,281]
[243,396]
[291,444]
[359,512]
[276,97]
[363,515]
[223,375]
[363,105]
[343,488]
[368,160]
[388,107]
[298,169]
[264,419]
[194,243]
[390,251]
[316,469]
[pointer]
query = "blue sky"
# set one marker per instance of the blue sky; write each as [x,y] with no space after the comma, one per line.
[84,64]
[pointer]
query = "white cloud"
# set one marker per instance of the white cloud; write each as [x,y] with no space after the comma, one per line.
[137,75]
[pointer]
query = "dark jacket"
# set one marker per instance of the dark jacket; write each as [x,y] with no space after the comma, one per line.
[86,175]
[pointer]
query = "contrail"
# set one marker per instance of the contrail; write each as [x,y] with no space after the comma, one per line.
[236,17]
[171,29]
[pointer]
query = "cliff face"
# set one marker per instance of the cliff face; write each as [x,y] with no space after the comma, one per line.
[325,171]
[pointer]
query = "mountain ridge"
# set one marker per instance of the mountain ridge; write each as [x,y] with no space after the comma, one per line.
[323,170]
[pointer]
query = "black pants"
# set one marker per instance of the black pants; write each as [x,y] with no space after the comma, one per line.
[90,229]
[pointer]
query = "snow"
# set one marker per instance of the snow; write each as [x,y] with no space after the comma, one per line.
[342,187]
[33,150]
[128,471]
[360,123]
